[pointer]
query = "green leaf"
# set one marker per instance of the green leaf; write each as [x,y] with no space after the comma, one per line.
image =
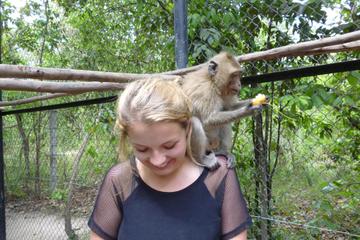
[349,101]
[345,194]
[287,98]
[338,101]
[227,19]
[337,183]
[304,102]
[323,184]
[317,101]
[323,94]
[354,78]
[330,187]
[326,206]
[204,34]
[92,151]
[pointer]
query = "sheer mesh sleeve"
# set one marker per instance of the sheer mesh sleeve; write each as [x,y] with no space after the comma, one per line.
[235,215]
[106,216]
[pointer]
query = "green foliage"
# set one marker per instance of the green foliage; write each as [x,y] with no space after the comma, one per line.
[59,195]
[340,200]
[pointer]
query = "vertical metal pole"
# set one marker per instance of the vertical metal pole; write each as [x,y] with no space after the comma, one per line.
[181,41]
[2,179]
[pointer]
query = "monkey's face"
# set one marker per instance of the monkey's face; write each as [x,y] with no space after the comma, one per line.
[160,148]
[233,85]
[226,71]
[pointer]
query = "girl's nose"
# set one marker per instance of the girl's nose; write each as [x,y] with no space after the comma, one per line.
[157,159]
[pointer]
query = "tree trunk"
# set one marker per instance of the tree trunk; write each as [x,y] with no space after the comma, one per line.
[67,214]
[261,167]
[26,148]
[37,133]
[53,153]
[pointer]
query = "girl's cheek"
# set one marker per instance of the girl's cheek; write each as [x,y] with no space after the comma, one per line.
[176,151]
[140,156]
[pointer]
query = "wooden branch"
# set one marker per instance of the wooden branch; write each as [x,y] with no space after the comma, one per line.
[33,99]
[19,71]
[183,71]
[300,47]
[57,87]
[325,45]
[297,49]
[345,47]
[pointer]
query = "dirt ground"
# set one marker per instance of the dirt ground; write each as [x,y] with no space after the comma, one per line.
[41,226]
[42,219]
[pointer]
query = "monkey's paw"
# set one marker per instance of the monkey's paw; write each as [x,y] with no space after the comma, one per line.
[210,161]
[231,162]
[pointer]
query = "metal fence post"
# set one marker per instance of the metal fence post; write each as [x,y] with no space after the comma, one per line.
[2,181]
[181,41]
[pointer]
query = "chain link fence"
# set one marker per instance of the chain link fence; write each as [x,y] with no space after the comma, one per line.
[298,161]
[51,156]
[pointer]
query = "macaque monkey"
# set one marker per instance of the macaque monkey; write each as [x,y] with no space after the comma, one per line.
[213,90]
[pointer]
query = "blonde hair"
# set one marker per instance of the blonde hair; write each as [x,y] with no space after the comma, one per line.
[149,101]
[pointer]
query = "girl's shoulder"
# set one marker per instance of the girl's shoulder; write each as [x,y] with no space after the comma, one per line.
[121,178]
[121,169]
[215,178]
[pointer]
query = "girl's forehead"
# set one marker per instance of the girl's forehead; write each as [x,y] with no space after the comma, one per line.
[159,132]
[143,125]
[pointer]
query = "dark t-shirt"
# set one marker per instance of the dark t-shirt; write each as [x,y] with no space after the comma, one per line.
[210,208]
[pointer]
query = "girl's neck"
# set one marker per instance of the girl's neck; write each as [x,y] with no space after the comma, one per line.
[177,180]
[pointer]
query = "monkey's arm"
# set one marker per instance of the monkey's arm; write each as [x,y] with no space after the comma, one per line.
[260,99]
[241,103]
[217,119]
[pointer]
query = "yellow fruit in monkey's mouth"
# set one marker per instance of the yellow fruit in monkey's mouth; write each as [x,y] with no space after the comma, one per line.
[260,99]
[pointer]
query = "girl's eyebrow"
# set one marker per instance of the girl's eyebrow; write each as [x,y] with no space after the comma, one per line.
[138,145]
[175,140]
[167,142]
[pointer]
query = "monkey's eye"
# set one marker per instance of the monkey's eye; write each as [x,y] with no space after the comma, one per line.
[234,81]
[235,76]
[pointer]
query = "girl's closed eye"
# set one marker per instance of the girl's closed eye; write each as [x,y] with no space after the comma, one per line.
[142,150]
[169,146]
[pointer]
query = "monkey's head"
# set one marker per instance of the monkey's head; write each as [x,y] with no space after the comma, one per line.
[225,72]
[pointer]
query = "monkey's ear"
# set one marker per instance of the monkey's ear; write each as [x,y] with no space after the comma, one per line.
[213,68]
[179,80]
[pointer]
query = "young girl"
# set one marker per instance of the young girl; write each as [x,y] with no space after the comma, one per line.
[160,191]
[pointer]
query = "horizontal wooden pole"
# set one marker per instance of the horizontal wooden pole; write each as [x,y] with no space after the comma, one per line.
[292,49]
[57,87]
[19,71]
[33,99]
[297,49]
[344,47]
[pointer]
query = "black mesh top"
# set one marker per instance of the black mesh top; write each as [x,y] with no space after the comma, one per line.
[212,207]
